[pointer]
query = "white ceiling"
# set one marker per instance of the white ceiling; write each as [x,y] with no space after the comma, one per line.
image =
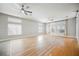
[43,11]
[58,11]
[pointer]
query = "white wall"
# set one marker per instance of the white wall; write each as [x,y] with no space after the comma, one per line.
[77,27]
[29,27]
[3,26]
[72,27]
[44,27]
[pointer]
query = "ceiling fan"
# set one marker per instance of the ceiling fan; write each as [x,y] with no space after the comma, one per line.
[77,11]
[25,10]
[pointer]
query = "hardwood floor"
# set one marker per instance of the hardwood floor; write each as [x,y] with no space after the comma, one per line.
[42,45]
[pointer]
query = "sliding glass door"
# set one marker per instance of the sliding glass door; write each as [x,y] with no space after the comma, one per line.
[57,28]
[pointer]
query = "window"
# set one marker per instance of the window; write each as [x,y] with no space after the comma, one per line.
[14,26]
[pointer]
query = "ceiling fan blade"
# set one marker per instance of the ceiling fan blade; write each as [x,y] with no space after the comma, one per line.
[28,11]
[25,13]
[27,7]
[22,5]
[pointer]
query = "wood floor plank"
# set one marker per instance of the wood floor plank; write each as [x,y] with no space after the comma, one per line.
[42,45]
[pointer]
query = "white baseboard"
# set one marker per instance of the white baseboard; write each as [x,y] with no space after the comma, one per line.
[74,37]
